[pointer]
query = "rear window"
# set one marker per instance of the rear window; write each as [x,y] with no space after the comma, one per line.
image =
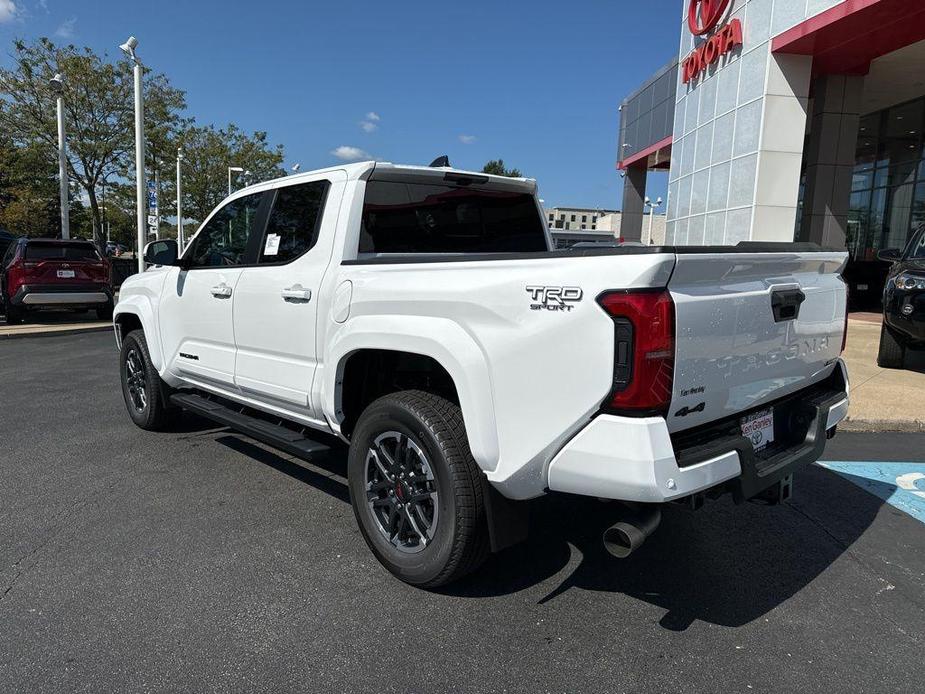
[424,218]
[36,251]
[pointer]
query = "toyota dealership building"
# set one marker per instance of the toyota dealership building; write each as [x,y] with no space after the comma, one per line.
[785,120]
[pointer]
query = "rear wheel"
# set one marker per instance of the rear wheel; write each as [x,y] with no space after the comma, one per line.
[416,490]
[144,392]
[14,314]
[104,312]
[892,351]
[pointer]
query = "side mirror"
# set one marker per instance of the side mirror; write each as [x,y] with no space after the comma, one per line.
[163,252]
[890,255]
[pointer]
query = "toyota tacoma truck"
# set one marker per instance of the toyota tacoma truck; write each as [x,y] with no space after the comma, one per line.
[421,315]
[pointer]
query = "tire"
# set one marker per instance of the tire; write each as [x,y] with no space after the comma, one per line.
[14,314]
[892,352]
[148,410]
[104,312]
[456,542]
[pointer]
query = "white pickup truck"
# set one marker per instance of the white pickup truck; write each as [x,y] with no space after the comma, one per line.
[420,315]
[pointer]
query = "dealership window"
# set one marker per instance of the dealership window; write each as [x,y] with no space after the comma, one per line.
[888,182]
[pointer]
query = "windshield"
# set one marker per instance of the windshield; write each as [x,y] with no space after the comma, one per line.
[60,251]
[425,218]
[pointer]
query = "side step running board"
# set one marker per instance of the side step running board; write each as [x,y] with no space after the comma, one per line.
[284,438]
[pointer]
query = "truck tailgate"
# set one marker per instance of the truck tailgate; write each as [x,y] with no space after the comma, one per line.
[750,328]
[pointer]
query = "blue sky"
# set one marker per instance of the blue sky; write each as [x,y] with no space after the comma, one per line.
[535,83]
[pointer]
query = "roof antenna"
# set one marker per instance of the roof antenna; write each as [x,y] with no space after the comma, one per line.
[440,161]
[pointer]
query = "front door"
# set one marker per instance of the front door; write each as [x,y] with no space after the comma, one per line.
[196,317]
[276,301]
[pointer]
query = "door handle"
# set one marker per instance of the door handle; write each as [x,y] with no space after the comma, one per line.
[221,290]
[296,293]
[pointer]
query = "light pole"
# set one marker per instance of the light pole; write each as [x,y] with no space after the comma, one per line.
[230,169]
[295,168]
[129,49]
[179,201]
[57,87]
[652,207]
[157,193]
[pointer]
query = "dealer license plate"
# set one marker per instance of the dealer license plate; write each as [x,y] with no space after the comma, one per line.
[758,428]
[65,274]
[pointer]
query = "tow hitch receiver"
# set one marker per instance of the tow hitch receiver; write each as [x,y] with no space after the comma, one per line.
[777,493]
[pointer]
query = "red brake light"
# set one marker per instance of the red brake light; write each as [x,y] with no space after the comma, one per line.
[16,276]
[644,345]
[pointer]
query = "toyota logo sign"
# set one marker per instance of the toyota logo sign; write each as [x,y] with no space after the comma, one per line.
[711,11]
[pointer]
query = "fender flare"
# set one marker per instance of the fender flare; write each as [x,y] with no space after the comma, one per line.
[438,338]
[141,308]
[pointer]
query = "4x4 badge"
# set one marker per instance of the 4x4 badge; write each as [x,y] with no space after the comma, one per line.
[684,411]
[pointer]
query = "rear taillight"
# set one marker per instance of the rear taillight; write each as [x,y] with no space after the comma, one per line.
[644,346]
[16,276]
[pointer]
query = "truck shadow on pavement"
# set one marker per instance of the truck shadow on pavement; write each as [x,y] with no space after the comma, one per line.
[723,564]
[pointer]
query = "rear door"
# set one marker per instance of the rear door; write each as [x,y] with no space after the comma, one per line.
[70,265]
[752,327]
[276,300]
[196,307]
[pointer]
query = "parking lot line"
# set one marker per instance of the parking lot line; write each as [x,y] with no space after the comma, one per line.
[901,485]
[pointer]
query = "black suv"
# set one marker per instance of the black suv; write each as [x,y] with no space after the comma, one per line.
[903,302]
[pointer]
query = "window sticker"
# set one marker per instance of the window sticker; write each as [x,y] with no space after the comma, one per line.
[271,247]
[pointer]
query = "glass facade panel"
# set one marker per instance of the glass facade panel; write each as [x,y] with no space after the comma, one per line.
[888,184]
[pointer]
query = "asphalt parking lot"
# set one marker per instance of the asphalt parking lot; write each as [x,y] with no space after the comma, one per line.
[199,560]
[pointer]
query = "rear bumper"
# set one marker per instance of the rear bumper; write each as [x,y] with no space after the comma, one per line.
[638,460]
[35,295]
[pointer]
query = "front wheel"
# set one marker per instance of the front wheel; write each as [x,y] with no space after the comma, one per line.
[144,392]
[892,352]
[415,489]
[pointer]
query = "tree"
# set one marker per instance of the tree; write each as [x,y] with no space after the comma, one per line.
[99,103]
[28,191]
[496,168]
[207,154]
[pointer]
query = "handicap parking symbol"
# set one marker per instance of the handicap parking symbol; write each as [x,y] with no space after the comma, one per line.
[901,485]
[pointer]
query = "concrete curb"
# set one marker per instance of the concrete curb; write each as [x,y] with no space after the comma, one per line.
[881,425]
[55,333]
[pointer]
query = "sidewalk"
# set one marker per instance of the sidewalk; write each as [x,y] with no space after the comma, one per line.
[54,323]
[882,399]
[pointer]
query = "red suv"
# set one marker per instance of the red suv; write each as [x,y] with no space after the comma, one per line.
[53,273]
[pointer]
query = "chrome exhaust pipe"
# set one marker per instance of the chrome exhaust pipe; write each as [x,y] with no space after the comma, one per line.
[626,536]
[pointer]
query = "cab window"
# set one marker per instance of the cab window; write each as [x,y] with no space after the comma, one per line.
[427,218]
[292,228]
[222,242]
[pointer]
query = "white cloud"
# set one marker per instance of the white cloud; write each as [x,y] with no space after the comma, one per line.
[7,11]
[348,153]
[467,139]
[43,5]
[66,30]
[372,115]
[368,126]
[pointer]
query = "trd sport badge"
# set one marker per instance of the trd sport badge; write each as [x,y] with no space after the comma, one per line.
[553,298]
